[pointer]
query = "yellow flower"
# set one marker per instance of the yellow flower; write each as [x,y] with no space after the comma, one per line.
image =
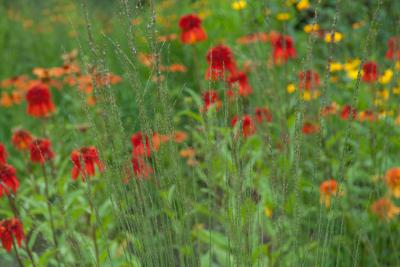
[358,25]
[336,66]
[303,4]
[397,121]
[385,113]
[291,88]
[204,13]
[268,212]
[310,95]
[397,65]
[386,76]
[352,64]
[334,79]
[337,37]
[353,74]
[239,5]
[290,2]
[311,28]
[396,90]
[283,16]
[383,95]
[378,102]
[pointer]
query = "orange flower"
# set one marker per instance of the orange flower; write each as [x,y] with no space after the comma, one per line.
[190,154]
[328,189]
[179,136]
[187,153]
[393,181]
[384,209]
[21,139]
[167,38]
[330,109]
[6,100]
[253,38]
[366,115]
[39,101]
[158,139]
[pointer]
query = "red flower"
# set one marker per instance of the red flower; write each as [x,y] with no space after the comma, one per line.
[192,32]
[39,101]
[8,179]
[139,148]
[140,168]
[3,154]
[263,113]
[370,72]
[90,157]
[309,128]
[210,98]
[393,48]
[247,125]
[348,111]
[240,80]
[40,150]
[219,58]
[8,229]
[21,139]
[283,49]
[309,80]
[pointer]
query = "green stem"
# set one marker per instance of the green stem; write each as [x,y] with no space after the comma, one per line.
[94,227]
[50,210]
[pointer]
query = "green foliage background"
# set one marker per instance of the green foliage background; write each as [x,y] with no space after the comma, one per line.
[211,214]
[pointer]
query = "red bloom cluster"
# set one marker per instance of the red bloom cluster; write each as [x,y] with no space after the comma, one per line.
[8,179]
[370,72]
[283,49]
[393,52]
[309,128]
[39,101]
[89,157]
[21,139]
[142,150]
[309,80]
[192,32]
[40,151]
[220,58]
[247,125]
[210,98]
[240,80]
[8,229]
[3,154]
[348,112]
[262,114]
